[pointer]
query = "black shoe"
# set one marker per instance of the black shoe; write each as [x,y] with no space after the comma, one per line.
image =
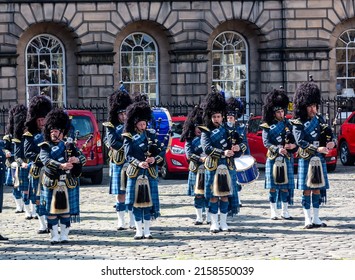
[35,217]
[19,211]
[289,218]
[2,238]
[274,218]
[64,241]
[318,226]
[121,228]
[214,230]
[309,226]
[136,237]
[148,237]
[43,231]
[197,223]
[54,242]
[132,227]
[29,218]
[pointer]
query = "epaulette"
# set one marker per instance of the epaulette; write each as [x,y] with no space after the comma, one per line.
[295,121]
[27,134]
[264,125]
[203,128]
[43,143]
[6,137]
[15,140]
[108,124]
[127,135]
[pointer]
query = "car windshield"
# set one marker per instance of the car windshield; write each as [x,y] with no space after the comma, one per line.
[81,125]
[177,128]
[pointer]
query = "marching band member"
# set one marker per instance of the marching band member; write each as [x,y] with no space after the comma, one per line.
[219,162]
[38,108]
[194,154]
[9,150]
[280,143]
[309,128]
[60,194]
[143,152]
[118,102]
[2,179]
[235,109]
[19,168]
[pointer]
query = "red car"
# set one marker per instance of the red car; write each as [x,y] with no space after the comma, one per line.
[258,150]
[346,141]
[175,159]
[85,131]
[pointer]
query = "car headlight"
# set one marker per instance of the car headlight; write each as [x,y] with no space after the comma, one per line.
[177,150]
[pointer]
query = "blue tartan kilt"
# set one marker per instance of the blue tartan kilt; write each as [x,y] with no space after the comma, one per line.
[8,180]
[115,179]
[191,180]
[23,178]
[302,174]
[233,207]
[73,197]
[269,178]
[32,189]
[153,183]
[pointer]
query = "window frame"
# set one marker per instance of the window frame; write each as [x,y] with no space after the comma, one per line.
[145,83]
[50,69]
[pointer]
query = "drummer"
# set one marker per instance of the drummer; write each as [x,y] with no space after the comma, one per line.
[235,110]
[219,162]
[278,139]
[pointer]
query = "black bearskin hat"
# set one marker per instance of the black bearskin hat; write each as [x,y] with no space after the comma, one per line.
[118,102]
[140,97]
[138,111]
[214,103]
[56,119]
[19,120]
[306,94]
[235,107]
[39,107]
[18,110]
[194,118]
[275,100]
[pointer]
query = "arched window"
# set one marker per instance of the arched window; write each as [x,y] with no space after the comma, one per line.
[345,61]
[139,65]
[230,65]
[45,69]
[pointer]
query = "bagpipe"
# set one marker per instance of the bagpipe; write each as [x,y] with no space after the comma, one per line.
[72,151]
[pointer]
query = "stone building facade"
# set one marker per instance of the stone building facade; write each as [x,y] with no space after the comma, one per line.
[283,43]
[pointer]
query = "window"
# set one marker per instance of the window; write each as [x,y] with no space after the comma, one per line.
[345,62]
[230,65]
[45,68]
[139,65]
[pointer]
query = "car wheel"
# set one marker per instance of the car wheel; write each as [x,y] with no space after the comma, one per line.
[344,154]
[331,167]
[165,174]
[97,178]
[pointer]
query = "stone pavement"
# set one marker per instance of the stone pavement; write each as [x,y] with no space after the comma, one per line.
[254,236]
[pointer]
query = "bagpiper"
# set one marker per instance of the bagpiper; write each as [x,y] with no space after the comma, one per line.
[278,139]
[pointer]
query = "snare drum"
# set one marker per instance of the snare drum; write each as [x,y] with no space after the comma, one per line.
[246,168]
[161,122]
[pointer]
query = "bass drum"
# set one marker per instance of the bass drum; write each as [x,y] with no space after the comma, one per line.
[161,122]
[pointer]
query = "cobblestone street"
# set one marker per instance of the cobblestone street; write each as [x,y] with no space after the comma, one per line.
[254,236]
